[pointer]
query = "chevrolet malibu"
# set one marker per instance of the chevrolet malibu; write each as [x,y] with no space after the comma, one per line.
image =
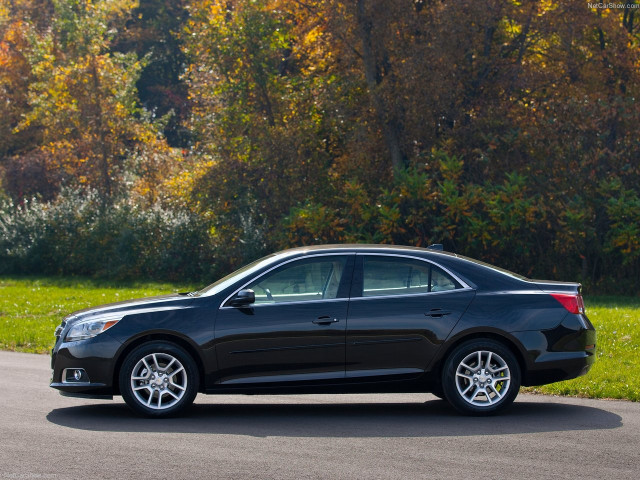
[333,319]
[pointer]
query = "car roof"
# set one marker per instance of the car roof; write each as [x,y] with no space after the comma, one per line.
[363,247]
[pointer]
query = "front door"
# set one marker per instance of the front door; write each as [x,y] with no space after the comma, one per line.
[295,330]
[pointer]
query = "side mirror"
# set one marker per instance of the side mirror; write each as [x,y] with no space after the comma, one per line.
[243,298]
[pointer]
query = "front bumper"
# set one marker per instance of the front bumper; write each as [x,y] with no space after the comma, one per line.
[83,390]
[96,356]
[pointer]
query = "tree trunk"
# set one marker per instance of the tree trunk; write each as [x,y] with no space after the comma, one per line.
[104,154]
[388,122]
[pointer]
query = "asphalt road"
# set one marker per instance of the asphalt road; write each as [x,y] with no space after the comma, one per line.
[46,436]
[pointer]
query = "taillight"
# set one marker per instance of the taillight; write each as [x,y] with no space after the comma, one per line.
[573,303]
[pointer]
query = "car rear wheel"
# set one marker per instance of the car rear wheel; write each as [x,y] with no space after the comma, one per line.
[158,379]
[481,377]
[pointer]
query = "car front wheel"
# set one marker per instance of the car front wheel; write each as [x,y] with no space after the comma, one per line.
[158,379]
[481,377]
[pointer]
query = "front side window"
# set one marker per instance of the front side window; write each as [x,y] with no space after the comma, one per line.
[403,276]
[302,280]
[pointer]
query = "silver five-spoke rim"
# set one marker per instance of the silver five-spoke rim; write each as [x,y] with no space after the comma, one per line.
[159,381]
[483,378]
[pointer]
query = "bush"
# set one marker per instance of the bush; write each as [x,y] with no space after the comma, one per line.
[80,234]
[541,232]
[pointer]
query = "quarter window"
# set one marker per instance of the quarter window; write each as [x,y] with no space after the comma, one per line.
[440,280]
[304,280]
[401,276]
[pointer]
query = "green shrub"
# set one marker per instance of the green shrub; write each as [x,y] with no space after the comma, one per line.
[78,234]
[521,223]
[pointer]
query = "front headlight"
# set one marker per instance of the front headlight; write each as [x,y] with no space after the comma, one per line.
[92,327]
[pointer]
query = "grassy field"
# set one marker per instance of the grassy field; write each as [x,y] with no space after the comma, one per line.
[31,308]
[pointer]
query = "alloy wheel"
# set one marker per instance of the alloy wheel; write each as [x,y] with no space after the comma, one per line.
[158,381]
[483,378]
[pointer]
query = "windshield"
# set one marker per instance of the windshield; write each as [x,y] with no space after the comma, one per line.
[224,282]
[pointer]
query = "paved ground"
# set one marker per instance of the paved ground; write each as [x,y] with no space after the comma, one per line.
[44,435]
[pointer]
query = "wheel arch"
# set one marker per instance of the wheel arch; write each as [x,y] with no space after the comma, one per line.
[509,343]
[154,337]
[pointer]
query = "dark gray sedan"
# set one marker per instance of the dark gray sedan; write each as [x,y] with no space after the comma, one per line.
[335,319]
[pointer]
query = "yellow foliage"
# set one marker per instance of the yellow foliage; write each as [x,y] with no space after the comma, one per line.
[4,13]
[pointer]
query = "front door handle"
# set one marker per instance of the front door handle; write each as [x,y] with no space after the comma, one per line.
[437,313]
[325,320]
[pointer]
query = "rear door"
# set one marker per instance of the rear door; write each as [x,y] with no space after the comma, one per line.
[401,311]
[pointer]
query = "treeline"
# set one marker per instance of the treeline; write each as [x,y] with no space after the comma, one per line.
[179,139]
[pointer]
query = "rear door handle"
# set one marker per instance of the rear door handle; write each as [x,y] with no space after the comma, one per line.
[437,313]
[325,320]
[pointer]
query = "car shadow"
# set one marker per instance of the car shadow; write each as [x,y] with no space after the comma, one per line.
[433,418]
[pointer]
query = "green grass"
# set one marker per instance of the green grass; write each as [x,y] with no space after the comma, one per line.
[616,373]
[31,308]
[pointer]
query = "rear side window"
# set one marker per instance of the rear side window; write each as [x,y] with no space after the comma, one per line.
[384,276]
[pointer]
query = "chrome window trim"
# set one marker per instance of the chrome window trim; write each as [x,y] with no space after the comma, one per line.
[304,302]
[464,289]
[303,257]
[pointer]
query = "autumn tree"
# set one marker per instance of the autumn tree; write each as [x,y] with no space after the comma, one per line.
[259,115]
[505,130]
[538,101]
[153,32]
[17,19]
[82,97]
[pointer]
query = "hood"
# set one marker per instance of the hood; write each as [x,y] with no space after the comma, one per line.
[138,305]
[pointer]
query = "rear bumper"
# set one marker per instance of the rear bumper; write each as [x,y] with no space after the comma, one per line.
[558,368]
[562,353]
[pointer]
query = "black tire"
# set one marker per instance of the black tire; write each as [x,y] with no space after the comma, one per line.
[159,379]
[473,389]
